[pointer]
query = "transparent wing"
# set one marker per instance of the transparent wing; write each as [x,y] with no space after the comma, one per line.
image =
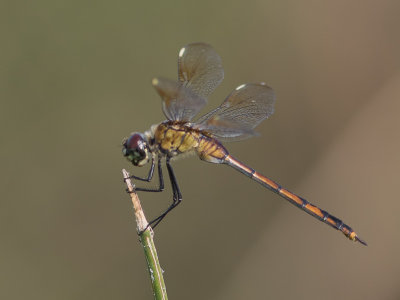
[199,72]
[200,68]
[246,107]
[178,102]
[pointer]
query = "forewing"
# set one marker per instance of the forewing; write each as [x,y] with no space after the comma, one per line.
[178,102]
[200,68]
[246,107]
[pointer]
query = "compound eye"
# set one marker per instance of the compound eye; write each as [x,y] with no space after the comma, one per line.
[135,142]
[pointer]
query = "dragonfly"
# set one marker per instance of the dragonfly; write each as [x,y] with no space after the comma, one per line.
[200,71]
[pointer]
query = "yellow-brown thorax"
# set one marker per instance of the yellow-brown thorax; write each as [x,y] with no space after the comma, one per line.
[176,137]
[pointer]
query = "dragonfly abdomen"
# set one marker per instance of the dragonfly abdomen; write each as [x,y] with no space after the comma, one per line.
[210,150]
[300,202]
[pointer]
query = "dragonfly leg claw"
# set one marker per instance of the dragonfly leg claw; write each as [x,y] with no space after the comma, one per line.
[142,231]
[130,192]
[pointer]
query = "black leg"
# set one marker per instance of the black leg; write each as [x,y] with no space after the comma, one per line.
[149,176]
[176,198]
[160,179]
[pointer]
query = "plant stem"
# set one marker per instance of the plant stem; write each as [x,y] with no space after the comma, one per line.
[146,239]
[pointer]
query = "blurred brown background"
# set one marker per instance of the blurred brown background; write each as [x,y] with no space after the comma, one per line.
[75,80]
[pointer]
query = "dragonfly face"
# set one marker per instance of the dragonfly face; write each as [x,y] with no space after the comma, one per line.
[136,150]
[199,73]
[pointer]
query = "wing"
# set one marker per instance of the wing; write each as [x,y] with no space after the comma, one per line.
[246,107]
[178,102]
[199,72]
[200,68]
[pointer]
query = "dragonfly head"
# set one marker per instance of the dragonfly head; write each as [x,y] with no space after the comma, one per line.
[136,150]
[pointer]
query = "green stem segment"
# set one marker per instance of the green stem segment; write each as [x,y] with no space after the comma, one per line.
[146,239]
[153,264]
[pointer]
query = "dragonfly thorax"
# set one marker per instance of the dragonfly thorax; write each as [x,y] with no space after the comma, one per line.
[173,138]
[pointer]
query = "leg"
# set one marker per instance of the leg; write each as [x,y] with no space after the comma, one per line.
[176,198]
[150,176]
